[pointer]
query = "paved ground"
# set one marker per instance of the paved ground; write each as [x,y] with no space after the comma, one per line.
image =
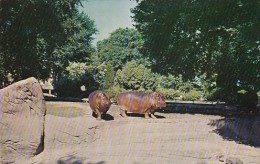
[172,138]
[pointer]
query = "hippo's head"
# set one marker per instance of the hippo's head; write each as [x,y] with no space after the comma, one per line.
[103,99]
[157,100]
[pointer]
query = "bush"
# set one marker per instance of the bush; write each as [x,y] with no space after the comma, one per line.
[191,96]
[213,95]
[185,87]
[115,92]
[170,94]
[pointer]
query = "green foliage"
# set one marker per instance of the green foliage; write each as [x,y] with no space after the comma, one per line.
[191,96]
[133,77]
[109,75]
[122,46]
[38,38]
[194,38]
[71,80]
[149,82]
[170,94]
[165,81]
[179,82]
[139,77]
[100,74]
[129,75]
[242,91]
[213,94]
[118,61]
[186,87]
[119,78]
[116,91]
[76,70]
[24,25]
[78,29]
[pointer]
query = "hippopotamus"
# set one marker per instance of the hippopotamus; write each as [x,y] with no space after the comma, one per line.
[140,102]
[99,102]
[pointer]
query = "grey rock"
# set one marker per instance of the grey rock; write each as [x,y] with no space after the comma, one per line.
[22,111]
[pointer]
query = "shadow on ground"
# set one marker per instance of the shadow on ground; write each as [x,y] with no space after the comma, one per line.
[142,115]
[75,160]
[106,117]
[70,159]
[243,129]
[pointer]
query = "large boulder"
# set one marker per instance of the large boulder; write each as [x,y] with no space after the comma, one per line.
[69,133]
[22,111]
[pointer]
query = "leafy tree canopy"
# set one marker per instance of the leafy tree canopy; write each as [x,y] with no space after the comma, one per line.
[195,37]
[41,36]
[123,45]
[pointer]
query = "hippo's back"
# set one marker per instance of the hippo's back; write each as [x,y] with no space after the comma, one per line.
[136,102]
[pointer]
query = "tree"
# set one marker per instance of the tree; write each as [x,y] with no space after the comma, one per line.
[119,78]
[129,75]
[122,46]
[139,75]
[203,37]
[40,37]
[76,46]
[23,25]
[122,53]
[135,77]
[73,78]
[109,76]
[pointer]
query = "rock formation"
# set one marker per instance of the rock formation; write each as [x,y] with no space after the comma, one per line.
[22,110]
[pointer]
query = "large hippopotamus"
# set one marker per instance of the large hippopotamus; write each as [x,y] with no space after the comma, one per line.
[99,102]
[140,102]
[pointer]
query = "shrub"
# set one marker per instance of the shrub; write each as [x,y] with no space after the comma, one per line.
[194,94]
[191,96]
[170,94]
[185,96]
[212,95]
[116,91]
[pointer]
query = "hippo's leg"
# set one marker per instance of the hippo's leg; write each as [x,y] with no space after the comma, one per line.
[123,112]
[146,115]
[98,115]
[104,114]
[152,115]
[94,114]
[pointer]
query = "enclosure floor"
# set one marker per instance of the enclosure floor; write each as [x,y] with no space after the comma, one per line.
[172,138]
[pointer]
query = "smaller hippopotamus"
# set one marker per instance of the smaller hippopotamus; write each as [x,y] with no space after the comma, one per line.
[99,102]
[140,102]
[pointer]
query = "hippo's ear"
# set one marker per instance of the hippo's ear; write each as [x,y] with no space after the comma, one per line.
[100,94]
[155,95]
[153,98]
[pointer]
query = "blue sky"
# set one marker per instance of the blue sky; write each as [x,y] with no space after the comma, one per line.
[109,15]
